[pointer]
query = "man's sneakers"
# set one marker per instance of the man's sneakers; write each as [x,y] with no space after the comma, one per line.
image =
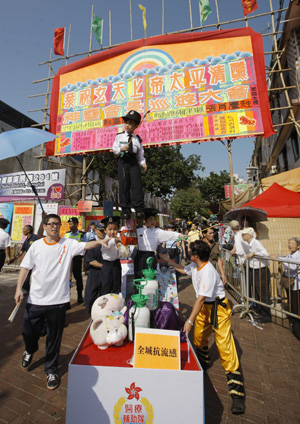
[238,406]
[52,381]
[26,359]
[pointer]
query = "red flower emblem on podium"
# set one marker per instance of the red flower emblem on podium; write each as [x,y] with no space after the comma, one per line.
[133,392]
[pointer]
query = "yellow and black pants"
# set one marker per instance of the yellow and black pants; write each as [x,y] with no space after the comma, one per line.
[205,324]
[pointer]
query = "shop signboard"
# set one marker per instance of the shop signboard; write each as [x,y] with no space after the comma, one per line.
[238,189]
[50,185]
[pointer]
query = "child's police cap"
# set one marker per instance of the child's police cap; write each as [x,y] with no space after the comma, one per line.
[73,219]
[150,212]
[100,226]
[133,115]
[4,221]
[111,220]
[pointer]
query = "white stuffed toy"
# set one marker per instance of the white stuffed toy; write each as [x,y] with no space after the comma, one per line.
[108,326]
[108,330]
[107,303]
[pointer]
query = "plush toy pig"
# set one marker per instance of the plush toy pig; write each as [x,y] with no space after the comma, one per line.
[108,330]
[107,303]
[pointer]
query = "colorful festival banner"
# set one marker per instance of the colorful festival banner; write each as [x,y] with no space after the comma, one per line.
[23,215]
[198,86]
[50,185]
[6,211]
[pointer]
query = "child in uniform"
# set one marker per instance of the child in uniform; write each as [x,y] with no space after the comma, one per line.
[149,238]
[95,260]
[211,313]
[131,158]
[111,265]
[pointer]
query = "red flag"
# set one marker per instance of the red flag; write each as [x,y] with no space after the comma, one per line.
[249,6]
[59,41]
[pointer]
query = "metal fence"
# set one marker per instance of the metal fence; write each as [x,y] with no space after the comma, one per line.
[269,288]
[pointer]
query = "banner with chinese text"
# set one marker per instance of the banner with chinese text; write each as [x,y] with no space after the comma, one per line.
[197,86]
[50,185]
[22,215]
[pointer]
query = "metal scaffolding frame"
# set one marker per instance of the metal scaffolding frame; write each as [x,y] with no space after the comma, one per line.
[271,72]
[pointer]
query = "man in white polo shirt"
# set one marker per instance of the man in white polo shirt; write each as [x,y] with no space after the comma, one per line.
[50,260]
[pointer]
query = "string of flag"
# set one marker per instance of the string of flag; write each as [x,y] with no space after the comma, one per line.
[249,6]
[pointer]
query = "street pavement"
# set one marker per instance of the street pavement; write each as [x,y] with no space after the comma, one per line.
[270,359]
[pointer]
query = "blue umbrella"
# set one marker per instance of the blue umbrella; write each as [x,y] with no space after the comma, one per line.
[15,142]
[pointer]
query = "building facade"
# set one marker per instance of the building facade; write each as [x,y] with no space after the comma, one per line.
[281,151]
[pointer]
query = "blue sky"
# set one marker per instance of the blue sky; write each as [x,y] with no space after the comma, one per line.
[27,34]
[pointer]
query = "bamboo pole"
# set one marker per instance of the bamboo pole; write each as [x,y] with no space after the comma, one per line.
[191,16]
[68,44]
[45,112]
[130,11]
[231,173]
[91,31]
[163,17]
[218,16]
[109,23]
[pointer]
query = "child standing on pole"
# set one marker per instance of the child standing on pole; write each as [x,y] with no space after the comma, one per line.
[128,147]
[212,313]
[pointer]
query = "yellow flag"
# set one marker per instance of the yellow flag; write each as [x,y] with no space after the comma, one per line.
[144,18]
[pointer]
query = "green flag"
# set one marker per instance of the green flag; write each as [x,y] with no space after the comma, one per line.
[97,27]
[205,10]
